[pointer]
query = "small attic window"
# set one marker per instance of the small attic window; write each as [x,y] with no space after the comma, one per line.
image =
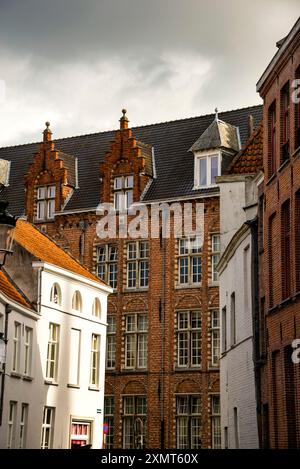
[123,192]
[207,168]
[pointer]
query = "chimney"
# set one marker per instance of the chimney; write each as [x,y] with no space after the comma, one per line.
[250,125]
[47,133]
[124,120]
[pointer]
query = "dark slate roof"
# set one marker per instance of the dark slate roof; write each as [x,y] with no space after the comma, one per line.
[171,142]
[70,165]
[218,134]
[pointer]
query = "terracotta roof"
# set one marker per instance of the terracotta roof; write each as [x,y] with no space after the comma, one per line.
[9,290]
[250,159]
[44,249]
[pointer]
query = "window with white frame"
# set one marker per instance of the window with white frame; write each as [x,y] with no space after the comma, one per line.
[215,256]
[188,422]
[16,347]
[45,206]
[138,264]
[77,301]
[188,339]
[74,357]
[27,350]
[95,361]
[47,428]
[80,433]
[107,264]
[123,192]
[109,410]
[96,309]
[12,415]
[215,422]
[55,294]
[215,337]
[23,425]
[111,342]
[207,168]
[136,340]
[189,261]
[134,422]
[52,352]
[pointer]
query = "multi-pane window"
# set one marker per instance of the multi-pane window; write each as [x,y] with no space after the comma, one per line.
[95,360]
[27,350]
[215,422]
[215,256]
[47,428]
[23,425]
[188,422]
[12,415]
[123,192]
[136,340]
[107,264]
[16,347]
[109,410]
[134,422]
[52,352]
[188,338]
[55,294]
[285,123]
[215,337]
[111,342]
[272,138]
[189,261]
[45,206]
[286,249]
[80,433]
[207,169]
[138,264]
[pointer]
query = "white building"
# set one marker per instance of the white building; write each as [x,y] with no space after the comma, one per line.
[53,313]
[238,219]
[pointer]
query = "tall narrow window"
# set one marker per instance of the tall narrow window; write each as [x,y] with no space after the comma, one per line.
[109,410]
[74,357]
[233,319]
[271,237]
[27,350]
[55,294]
[189,261]
[297,110]
[236,428]
[136,341]
[272,139]
[285,249]
[95,361]
[52,352]
[16,347]
[138,264]
[285,123]
[188,339]
[23,425]
[111,342]
[96,309]
[215,422]
[47,428]
[188,422]
[45,203]
[290,398]
[77,301]
[246,266]
[107,264]
[123,192]
[134,422]
[215,337]
[215,256]
[297,239]
[276,394]
[12,415]
[224,330]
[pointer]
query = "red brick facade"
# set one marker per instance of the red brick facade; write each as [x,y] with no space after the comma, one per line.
[279,255]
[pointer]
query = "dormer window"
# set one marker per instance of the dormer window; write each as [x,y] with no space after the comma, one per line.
[45,203]
[123,192]
[207,168]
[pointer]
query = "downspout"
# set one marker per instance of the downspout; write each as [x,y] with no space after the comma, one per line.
[162,318]
[7,312]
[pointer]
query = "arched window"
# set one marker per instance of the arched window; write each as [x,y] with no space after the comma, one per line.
[55,294]
[76,301]
[96,308]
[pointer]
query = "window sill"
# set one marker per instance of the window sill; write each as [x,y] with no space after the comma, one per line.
[180,286]
[187,369]
[50,383]
[134,371]
[208,186]
[75,386]
[28,378]
[93,388]
[15,374]
[135,289]
[213,284]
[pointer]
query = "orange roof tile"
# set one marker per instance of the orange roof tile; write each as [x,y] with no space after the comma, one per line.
[9,290]
[249,160]
[44,249]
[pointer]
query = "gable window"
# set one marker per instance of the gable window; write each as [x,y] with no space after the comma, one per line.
[189,261]
[138,264]
[285,123]
[188,422]
[136,341]
[45,206]
[123,192]
[107,264]
[55,294]
[215,257]
[207,168]
[76,301]
[188,339]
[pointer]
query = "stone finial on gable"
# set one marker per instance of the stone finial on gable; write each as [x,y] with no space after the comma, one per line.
[47,133]
[124,120]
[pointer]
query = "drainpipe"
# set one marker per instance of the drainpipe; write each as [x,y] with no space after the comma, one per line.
[162,318]
[7,312]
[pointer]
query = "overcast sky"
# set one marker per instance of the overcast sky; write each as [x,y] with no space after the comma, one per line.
[77,63]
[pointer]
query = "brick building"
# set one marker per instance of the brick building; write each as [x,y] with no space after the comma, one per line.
[280,247]
[162,376]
